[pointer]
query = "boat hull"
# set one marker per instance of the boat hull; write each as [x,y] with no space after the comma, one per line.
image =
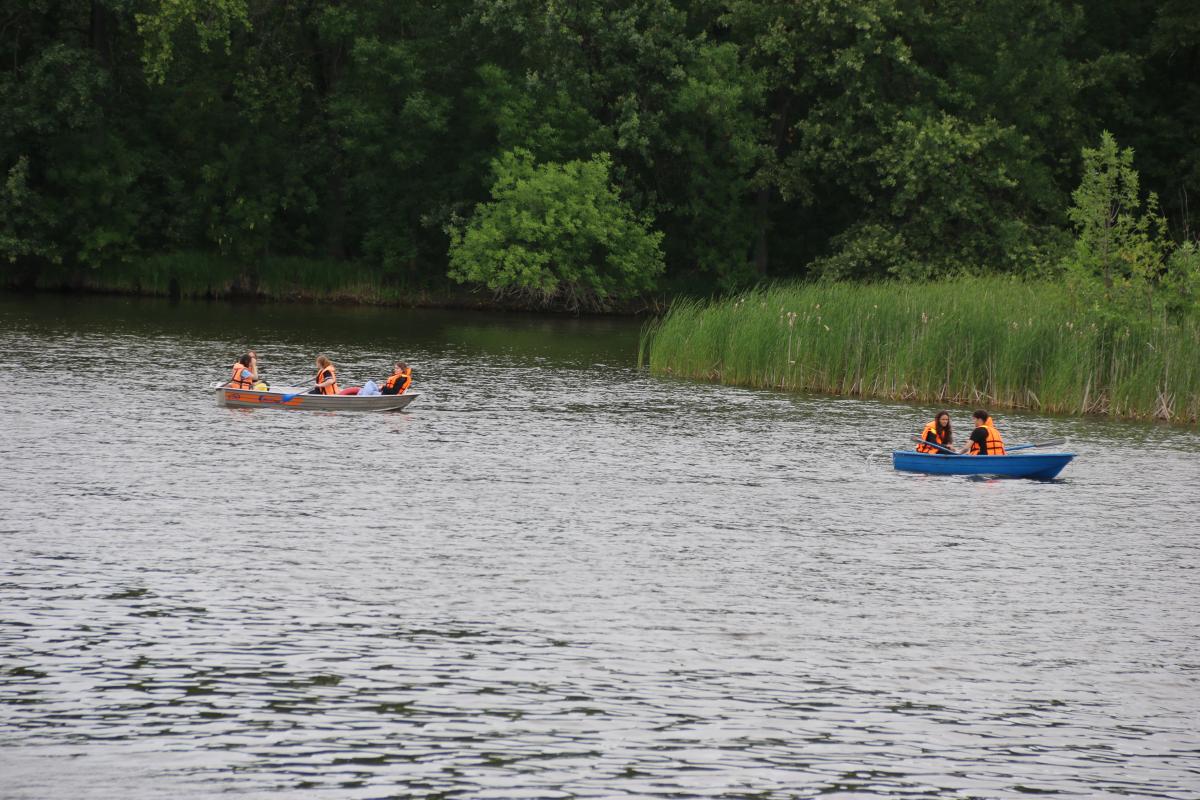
[1039,466]
[293,398]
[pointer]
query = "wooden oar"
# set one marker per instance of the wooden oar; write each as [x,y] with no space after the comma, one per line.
[945,450]
[1047,443]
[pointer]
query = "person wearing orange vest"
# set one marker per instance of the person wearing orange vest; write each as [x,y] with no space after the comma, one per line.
[244,374]
[326,377]
[399,381]
[938,432]
[260,385]
[985,439]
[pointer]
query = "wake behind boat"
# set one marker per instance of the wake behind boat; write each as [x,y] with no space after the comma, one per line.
[296,397]
[1039,466]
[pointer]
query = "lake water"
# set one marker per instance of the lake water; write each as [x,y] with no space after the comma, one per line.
[557,576]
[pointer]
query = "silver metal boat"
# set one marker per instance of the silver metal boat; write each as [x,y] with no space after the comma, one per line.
[296,397]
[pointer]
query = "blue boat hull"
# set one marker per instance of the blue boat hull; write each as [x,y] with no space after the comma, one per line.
[1041,466]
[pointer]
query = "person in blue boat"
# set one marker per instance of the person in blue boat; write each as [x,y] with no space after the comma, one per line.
[985,440]
[939,431]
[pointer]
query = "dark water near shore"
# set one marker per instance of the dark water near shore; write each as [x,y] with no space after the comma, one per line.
[556,576]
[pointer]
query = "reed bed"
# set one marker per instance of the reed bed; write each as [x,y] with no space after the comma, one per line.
[990,342]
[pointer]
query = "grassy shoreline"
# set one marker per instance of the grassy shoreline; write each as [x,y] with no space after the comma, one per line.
[990,342]
[280,279]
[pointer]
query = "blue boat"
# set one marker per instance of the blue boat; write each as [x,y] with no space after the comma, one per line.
[1040,466]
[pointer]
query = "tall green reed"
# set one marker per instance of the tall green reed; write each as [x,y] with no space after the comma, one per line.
[979,341]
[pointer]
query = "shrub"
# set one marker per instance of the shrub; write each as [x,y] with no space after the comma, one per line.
[556,234]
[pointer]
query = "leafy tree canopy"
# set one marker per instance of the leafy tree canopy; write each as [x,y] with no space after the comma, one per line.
[765,138]
[557,234]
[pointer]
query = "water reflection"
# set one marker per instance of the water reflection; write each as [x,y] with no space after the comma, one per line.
[558,577]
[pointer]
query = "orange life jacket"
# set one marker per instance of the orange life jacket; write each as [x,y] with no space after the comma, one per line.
[404,379]
[324,374]
[924,447]
[237,381]
[994,446]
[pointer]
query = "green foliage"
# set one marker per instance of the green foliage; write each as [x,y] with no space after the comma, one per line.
[860,139]
[1123,263]
[710,163]
[1105,214]
[72,194]
[558,233]
[389,121]
[23,220]
[656,85]
[1181,282]
[906,130]
[972,341]
[208,21]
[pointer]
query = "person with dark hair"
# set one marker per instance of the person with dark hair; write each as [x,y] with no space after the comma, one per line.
[260,384]
[326,382]
[985,440]
[244,373]
[937,432]
[399,381]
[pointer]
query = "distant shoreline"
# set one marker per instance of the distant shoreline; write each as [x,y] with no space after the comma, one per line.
[189,276]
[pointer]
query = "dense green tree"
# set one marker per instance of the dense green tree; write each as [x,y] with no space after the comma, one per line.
[1142,82]
[394,113]
[204,22]
[1111,231]
[1123,260]
[646,82]
[71,174]
[556,234]
[764,138]
[908,140]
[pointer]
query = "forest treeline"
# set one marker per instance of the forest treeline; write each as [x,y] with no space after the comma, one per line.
[582,151]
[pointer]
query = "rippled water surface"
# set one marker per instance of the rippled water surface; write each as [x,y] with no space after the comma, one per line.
[556,576]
